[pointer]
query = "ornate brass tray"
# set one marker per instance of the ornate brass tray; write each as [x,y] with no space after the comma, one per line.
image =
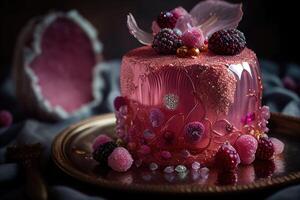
[71,151]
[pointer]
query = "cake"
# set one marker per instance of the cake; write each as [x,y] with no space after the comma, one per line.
[192,95]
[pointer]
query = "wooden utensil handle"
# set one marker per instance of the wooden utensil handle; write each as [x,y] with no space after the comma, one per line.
[35,186]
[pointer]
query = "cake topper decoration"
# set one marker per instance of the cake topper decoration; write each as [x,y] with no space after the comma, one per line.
[178,28]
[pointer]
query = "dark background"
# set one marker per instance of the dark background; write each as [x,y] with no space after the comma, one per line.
[270,26]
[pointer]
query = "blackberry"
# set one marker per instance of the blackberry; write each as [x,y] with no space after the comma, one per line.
[227,158]
[103,151]
[227,42]
[265,149]
[166,41]
[166,20]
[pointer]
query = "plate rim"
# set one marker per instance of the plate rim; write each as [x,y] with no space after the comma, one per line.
[64,164]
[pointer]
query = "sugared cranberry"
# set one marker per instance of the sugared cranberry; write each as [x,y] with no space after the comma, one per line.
[120,159]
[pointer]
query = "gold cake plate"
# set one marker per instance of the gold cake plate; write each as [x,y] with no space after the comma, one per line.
[71,151]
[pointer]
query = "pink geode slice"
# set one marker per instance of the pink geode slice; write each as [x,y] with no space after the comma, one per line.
[55,63]
[199,102]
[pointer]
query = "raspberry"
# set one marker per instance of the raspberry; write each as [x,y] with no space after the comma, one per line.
[103,151]
[227,158]
[5,118]
[265,149]
[166,42]
[166,20]
[120,159]
[227,42]
[246,146]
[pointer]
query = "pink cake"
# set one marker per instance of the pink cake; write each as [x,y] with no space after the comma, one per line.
[189,95]
[166,93]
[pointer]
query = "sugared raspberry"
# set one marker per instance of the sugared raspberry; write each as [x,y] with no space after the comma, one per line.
[227,42]
[5,118]
[265,149]
[100,140]
[166,42]
[119,102]
[227,158]
[101,154]
[166,20]
[278,145]
[193,37]
[120,159]
[246,146]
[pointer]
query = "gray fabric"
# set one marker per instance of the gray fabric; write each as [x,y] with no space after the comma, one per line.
[287,194]
[30,131]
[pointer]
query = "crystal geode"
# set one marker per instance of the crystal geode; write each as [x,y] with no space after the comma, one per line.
[56,67]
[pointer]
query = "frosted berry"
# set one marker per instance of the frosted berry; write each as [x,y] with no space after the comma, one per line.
[246,146]
[227,158]
[166,20]
[194,131]
[101,154]
[166,41]
[5,118]
[265,149]
[119,102]
[227,42]
[193,37]
[100,140]
[278,145]
[120,159]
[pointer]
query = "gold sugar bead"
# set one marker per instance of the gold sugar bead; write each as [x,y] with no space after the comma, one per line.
[119,142]
[204,47]
[182,51]
[194,52]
